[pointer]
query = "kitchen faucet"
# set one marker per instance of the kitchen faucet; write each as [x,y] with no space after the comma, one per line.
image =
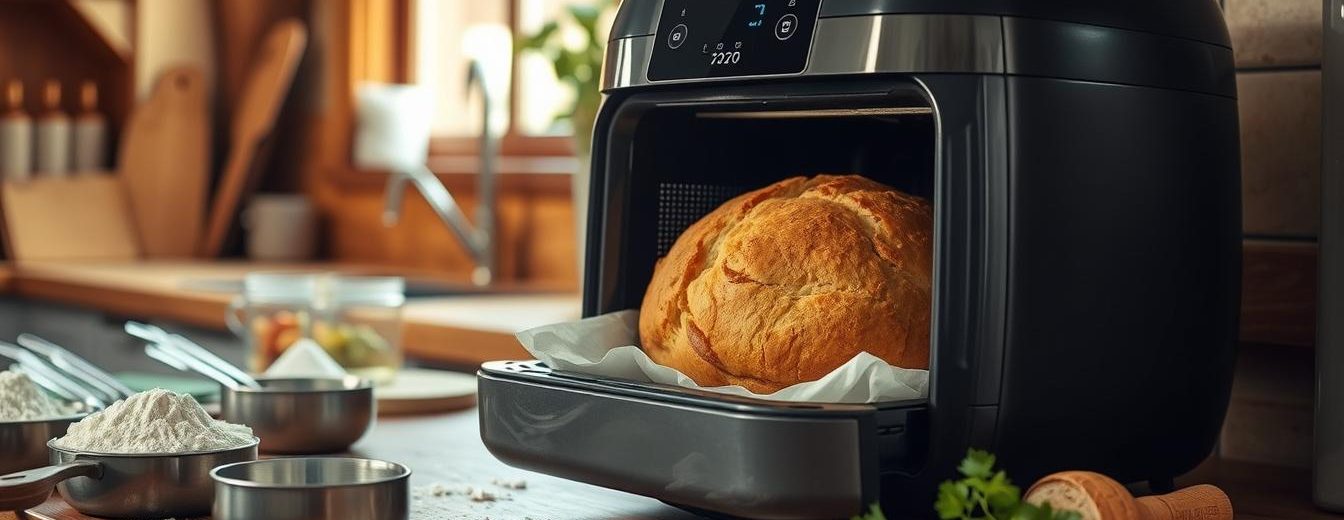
[479,239]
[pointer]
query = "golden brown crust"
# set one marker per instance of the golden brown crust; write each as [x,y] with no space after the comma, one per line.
[784,284]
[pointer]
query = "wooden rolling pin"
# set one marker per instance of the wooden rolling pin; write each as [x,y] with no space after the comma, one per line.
[1098,497]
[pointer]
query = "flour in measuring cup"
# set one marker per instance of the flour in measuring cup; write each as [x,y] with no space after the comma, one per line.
[154,421]
[22,400]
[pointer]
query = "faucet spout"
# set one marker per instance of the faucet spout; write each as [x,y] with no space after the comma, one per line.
[479,239]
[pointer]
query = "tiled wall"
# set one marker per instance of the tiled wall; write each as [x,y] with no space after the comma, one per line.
[1277,44]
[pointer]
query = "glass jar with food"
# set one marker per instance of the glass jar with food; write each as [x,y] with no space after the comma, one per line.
[272,313]
[357,321]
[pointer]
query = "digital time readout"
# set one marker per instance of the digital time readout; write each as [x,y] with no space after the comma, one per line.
[725,58]
[718,38]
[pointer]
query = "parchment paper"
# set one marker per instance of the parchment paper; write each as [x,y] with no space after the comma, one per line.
[606,345]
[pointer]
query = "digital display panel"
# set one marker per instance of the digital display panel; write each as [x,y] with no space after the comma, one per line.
[718,38]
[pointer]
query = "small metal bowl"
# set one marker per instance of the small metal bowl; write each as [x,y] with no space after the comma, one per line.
[123,485]
[312,488]
[23,444]
[139,485]
[303,415]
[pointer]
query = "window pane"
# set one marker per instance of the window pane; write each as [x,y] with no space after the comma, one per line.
[542,96]
[450,33]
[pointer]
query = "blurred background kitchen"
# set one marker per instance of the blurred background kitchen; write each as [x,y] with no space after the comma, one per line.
[155,152]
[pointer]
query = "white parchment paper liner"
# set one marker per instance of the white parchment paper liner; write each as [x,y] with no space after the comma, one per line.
[606,346]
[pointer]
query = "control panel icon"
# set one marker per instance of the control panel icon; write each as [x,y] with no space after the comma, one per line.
[787,25]
[678,36]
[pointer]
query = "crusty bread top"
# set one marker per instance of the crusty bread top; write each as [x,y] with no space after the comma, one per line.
[784,284]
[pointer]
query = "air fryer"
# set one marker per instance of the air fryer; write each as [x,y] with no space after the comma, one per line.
[1083,168]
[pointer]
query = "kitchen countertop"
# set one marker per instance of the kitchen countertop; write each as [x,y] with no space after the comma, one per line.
[464,331]
[460,330]
[447,449]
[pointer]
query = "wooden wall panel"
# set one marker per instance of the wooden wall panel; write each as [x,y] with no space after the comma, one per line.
[1278,293]
[1275,33]
[1280,152]
[536,234]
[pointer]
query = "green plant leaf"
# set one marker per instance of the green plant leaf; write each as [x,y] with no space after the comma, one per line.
[1001,494]
[988,494]
[874,513]
[950,504]
[977,464]
[587,17]
[539,41]
[581,69]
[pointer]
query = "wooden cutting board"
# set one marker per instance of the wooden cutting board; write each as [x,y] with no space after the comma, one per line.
[418,391]
[264,89]
[55,508]
[165,164]
[84,217]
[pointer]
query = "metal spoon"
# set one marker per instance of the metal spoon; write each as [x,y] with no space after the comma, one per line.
[70,362]
[186,351]
[50,378]
[158,352]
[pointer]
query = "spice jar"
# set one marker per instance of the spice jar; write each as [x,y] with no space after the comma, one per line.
[357,320]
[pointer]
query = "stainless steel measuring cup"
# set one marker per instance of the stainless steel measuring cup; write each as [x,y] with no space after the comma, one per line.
[124,485]
[312,488]
[23,444]
[303,415]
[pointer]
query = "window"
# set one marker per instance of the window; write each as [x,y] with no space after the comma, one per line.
[449,34]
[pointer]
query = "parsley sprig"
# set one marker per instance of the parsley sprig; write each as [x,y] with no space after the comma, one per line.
[985,494]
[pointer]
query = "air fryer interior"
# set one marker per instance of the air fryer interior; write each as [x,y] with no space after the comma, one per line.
[685,159]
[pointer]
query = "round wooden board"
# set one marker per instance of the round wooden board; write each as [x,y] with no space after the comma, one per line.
[424,391]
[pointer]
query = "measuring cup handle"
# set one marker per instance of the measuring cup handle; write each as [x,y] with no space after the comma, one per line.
[234,316]
[30,488]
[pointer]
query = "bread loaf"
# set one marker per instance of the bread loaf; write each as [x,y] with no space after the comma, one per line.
[784,284]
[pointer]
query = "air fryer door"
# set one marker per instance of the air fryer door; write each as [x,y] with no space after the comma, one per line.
[664,158]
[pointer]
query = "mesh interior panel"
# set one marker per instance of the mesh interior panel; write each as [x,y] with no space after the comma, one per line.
[681,204]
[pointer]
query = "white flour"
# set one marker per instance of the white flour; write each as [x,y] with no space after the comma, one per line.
[21,400]
[155,421]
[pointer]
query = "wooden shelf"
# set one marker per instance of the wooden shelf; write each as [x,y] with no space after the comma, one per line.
[52,40]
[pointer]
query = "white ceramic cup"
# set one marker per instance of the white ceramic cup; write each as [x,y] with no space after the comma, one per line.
[280,228]
[393,126]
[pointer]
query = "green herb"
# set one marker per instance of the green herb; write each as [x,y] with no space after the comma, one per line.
[985,494]
[874,513]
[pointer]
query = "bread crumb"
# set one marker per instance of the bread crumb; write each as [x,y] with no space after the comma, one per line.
[480,495]
[516,483]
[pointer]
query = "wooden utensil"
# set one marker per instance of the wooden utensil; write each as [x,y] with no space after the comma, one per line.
[165,164]
[1098,497]
[264,90]
[77,218]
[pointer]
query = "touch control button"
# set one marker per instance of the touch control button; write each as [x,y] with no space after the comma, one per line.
[787,25]
[677,36]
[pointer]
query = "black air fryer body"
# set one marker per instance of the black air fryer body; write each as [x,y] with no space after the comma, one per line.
[1082,158]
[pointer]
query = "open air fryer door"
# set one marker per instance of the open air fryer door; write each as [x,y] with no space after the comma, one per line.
[671,158]
[1086,247]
